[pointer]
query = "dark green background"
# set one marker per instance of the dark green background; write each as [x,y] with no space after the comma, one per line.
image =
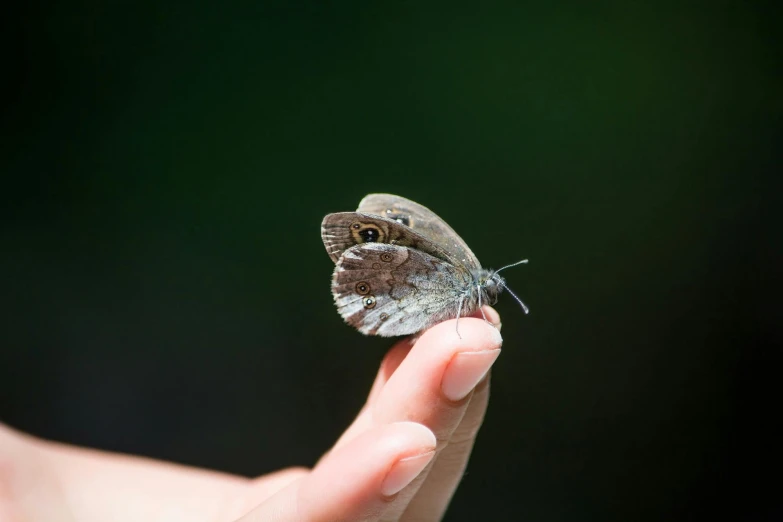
[165,291]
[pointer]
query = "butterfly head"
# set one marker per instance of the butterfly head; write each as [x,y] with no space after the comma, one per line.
[494,284]
[490,285]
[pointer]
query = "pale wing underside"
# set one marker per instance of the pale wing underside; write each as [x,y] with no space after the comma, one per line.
[389,290]
[422,220]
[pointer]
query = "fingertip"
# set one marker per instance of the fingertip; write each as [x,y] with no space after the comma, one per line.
[416,435]
[359,477]
[469,333]
[490,313]
[420,444]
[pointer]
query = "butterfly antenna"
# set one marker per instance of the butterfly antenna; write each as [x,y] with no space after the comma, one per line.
[524,261]
[524,306]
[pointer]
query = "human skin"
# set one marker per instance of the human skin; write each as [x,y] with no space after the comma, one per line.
[401,459]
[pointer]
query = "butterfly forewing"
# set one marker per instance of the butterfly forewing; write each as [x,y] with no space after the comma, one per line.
[390,290]
[343,230]
[422,220]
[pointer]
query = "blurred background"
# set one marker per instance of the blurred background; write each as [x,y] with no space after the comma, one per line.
[165,291]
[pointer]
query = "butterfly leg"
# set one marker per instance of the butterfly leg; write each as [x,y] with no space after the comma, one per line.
[478,287]
[459,312]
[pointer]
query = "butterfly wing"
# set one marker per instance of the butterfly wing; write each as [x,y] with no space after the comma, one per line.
[422,220]
[343,230]
[391,290]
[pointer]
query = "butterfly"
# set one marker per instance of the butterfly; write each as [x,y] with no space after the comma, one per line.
[399,268]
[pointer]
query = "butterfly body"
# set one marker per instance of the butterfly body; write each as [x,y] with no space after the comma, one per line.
[400,269]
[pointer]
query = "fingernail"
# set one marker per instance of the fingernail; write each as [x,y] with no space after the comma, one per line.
[404,471]
[465,371]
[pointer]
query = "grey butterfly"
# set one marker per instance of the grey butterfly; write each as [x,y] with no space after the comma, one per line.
[401,269]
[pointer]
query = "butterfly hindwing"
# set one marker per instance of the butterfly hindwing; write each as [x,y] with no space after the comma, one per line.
[390,290]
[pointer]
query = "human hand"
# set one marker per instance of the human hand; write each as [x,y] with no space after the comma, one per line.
[401,459]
